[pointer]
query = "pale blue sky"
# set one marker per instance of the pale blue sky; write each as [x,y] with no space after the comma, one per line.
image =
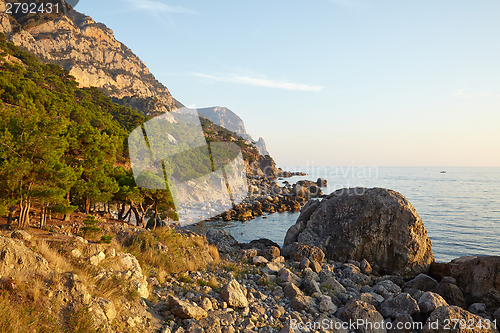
[331,82]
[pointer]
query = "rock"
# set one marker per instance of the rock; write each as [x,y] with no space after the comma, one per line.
[398,305]
[206,304]
[184,309]
[76,253]
[478,277]
[271,252]
[422,282]
[107,307]
[247,254]
[259,261]
[310,285]
[222,239]
[359,224]
[132,272]
[234,294]
[429,302]
[402,324]
[386,288]
[304,303]
[291,290]
[315,266]
[451,293]
[285,275]
[496,315]
[333,285]
[304,263]
[367,314]
[365,267]
[321,182]
[477,308]
[97,258]
[20,262]
[298,251]
[21,234]
[272,268]
[326,304]
[443,319]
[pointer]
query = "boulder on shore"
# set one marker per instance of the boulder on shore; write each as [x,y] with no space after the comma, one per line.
[478,277]
[376,224]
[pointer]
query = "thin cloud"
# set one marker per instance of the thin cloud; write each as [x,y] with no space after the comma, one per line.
[156,6]
[463,94]
[261,82]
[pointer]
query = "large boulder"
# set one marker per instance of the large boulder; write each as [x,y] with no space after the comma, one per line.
[478,277]
[375,224]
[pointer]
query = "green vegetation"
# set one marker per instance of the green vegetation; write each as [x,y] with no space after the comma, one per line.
[65,149]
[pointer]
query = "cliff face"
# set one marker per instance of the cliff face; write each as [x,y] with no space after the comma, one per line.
[228,119]
[93,56]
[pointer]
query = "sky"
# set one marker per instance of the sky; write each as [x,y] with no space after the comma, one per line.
[331,82]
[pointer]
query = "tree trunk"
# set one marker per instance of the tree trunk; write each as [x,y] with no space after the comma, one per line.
[68,215]
[87,205]
[120,213]
[43,217]
[156,214]
[24,218]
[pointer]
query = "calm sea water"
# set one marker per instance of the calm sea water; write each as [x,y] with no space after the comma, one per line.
[460,208]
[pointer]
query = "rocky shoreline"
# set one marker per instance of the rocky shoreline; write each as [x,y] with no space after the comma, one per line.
[354,262]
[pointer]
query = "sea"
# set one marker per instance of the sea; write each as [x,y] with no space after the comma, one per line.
[460,206]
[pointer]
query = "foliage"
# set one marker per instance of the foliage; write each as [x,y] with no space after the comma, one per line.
[106,239]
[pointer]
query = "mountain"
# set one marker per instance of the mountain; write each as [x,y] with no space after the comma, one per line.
[92,55]
[228,119]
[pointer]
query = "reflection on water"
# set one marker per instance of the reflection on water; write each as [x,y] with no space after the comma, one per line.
[460,208]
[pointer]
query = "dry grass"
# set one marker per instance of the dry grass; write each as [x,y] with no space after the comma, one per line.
[185,253]
[56,261]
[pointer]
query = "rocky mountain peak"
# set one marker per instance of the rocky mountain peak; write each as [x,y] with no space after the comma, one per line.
[93,56]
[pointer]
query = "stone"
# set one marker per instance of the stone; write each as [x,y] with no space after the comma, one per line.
[21,234]
[97,258]
[326,304]
[222,239]
[271,252]
[478,277]
[259,261]
[398,305]
[291,290]
[299,251]
[422,282]
[443,318]
[234,294]
[206,304]
[333,285]
[304,303]
[451,293]
[310,285]
[247,254]
[272,268]
[76,253]
[367,314]
[477,308]
[429,302]
[402,324]
[285,275]
[359,223]
[365,267]
[304,263]
[107,307]
[184,309]
[315,266]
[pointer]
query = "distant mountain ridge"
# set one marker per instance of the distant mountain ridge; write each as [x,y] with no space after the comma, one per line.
[228,119]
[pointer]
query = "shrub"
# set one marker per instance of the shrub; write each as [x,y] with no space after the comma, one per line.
[106,239]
